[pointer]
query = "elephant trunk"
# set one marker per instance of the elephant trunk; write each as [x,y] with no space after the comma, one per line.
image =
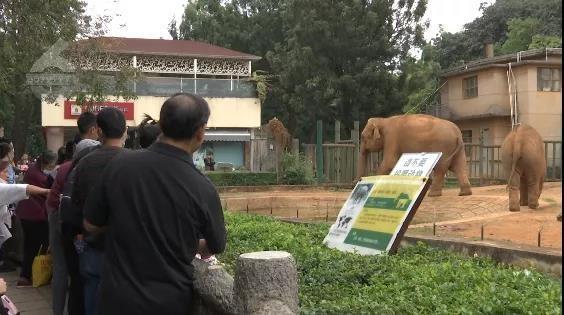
[362,159]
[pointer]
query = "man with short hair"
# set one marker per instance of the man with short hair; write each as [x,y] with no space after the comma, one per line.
[87,128]
[112,130]
[155,204]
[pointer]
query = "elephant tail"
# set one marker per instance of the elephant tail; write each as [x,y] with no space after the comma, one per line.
[514,158]
[459,146]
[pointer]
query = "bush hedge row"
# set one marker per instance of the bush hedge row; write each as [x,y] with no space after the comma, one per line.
[242,178]
[417,280]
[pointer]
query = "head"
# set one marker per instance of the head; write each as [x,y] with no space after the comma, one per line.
[148,131]
[47,161]
[87,126]
[183,120]
[60,156]
[371,138]
[24,159]
[10,154]
[4,171]
[111,125]
[5,149]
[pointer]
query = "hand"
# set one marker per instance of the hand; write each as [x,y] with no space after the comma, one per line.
[203,248]
[3,286]
[34,190]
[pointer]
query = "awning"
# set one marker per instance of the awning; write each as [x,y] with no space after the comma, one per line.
[227,135]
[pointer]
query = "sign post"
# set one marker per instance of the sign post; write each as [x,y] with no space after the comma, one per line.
[376,215]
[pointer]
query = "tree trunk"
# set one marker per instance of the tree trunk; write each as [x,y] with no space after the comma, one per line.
[266,283]
[24,105]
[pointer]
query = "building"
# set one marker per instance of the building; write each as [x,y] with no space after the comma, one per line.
[477,96]
[486,97]
[218,74]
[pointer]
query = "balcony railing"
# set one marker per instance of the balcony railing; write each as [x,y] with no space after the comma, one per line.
[165,86]
[152,86]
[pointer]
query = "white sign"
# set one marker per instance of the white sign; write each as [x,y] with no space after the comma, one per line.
[416,164]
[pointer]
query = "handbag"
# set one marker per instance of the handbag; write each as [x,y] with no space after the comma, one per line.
[41,269]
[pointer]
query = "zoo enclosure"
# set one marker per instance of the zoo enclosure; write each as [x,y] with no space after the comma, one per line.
[338,160]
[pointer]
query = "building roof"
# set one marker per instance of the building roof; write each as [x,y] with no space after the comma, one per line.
[166,47]
[520,57]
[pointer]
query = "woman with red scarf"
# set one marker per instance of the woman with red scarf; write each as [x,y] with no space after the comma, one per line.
[33,214]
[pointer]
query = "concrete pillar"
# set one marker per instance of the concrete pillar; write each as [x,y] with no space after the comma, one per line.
[55,138]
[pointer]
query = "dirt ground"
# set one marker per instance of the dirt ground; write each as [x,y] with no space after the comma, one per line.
[503,226]
[454,216]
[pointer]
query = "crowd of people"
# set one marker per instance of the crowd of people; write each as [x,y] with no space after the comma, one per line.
[123,226]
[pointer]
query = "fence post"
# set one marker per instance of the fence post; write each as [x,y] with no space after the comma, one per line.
[295,146]
[480,157]
[319,152]
[337,131]
[355,136]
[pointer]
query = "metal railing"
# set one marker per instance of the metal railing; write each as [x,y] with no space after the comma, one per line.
[165,86]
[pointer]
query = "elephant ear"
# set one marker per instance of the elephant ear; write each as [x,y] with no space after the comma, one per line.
[375,129]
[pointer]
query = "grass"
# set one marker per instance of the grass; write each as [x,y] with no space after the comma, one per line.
[418,280]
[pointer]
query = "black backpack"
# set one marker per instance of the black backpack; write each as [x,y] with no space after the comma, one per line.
[69,212]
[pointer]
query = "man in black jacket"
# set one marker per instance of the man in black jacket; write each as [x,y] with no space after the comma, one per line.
[155,205]
[112,130]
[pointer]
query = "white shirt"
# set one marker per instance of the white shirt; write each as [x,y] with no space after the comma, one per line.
[9,193]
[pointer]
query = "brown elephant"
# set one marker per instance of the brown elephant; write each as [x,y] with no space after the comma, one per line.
[522,155]
[416,133]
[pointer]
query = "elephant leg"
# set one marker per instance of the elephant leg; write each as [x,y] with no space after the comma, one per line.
[458,166]
[524,191]
[533,192]
[514,192]
[436,188]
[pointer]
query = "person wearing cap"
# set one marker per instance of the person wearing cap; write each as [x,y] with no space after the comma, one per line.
[65,259]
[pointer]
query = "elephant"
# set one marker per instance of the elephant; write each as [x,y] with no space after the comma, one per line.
[416,133]
[522,156]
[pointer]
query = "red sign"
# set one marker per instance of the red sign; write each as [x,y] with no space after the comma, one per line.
[72,110]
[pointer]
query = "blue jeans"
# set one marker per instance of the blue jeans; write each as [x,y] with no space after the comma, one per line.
[91,264]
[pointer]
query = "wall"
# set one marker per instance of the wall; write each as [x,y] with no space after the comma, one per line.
[492,91]
[225,112]
[498,127]
[541,110]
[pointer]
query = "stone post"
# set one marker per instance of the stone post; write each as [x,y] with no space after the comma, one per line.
[266,283]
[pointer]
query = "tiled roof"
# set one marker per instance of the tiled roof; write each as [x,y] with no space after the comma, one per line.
[166,47]
[503,59]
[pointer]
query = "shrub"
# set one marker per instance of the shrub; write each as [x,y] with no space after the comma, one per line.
[296,169]
[242,178]
[418,280]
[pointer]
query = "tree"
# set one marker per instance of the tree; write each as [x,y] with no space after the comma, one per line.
[493,27]
[520,34]
[27,29]
[327,59]
[541,41]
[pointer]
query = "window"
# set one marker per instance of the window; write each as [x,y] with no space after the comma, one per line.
[467,136]
[471,87]
[548,79]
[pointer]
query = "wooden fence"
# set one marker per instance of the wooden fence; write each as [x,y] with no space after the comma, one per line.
[340,160]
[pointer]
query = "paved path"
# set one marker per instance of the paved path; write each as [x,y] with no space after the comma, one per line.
[30,301]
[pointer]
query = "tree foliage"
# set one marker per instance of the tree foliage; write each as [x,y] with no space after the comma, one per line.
[27,29]
[495,25]
[327,59]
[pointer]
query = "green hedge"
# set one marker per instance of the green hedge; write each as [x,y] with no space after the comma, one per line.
[242,178]
[418,280]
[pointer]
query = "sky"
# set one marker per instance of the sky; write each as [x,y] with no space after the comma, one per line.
[132,19]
